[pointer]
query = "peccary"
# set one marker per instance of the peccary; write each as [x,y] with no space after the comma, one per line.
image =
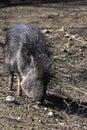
[27,54]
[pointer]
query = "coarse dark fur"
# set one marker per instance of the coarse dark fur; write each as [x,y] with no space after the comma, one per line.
[27,54]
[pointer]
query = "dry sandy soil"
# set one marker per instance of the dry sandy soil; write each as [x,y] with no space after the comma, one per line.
[65,106]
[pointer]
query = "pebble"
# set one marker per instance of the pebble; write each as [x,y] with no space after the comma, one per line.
[18,118]
[45,31]
[56,120]
[10,98]
[45,108]
[50,113]
[61,124]
[40,121]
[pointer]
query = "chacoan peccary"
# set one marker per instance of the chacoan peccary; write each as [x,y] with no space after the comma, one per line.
[26,53]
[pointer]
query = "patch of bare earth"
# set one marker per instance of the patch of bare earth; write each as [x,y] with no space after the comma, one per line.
[65,106]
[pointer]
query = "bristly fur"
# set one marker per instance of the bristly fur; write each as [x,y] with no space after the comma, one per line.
[26,48]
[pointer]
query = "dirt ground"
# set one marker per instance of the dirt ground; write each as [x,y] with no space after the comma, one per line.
[65,106]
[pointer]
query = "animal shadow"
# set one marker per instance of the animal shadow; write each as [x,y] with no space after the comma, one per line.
[69,105]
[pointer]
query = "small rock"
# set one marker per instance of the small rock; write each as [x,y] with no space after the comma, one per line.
[18,118]
[45,108]
[56,120]
[80,50]
[61,124]
[10,98]
[45,31]
[40,121]
[50,113]
[38,103]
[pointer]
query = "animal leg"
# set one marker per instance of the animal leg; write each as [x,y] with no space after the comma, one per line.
[19,90]
[11,78]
